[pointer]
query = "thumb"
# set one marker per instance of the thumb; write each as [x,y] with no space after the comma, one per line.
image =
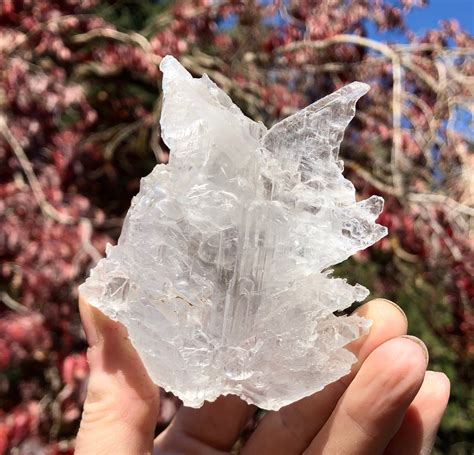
[122,403]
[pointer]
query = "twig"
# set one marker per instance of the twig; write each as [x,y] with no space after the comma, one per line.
[225,82]
[401,253]
[120,136]
[438,229]
[429,80]
[86,235]
[47,209]
[11,303]
[418,198]
[422,47]
[129,38]
[396,158]
[441,199]
[340,39]
[431,121]
[369,178]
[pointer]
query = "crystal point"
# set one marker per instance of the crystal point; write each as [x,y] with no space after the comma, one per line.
[221,271]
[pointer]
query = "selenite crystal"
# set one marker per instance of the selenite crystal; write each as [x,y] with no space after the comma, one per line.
[221,274]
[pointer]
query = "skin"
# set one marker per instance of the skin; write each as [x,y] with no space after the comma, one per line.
[388,404]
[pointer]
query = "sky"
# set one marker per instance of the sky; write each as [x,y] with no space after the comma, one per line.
[420,20]
[462,10]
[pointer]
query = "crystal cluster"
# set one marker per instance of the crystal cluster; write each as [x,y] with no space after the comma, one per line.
[221,273]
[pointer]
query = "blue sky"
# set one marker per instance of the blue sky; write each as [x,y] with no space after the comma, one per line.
[422,19]
[419,20]
[462,10]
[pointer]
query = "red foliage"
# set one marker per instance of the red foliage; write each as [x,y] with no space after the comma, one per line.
[75,94]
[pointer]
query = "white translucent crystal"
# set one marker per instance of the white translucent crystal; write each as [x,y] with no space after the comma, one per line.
[221,271]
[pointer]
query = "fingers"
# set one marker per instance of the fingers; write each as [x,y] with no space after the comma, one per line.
[372,409]
[291,429]
[216,425]
[417,434]
[122,403]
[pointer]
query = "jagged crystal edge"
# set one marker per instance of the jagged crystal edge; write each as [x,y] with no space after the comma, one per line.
[221,273]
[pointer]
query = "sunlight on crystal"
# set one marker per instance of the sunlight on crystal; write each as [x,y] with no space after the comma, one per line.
[221,273]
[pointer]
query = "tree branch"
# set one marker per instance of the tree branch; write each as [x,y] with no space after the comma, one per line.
[397,92]
[11,303]
[47,209]
[128,38]
[441,199]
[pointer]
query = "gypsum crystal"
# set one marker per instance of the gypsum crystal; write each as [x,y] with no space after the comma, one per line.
[221,271]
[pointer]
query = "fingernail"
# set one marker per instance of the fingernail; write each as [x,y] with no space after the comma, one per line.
[88,323]
[421,344]
[397,307]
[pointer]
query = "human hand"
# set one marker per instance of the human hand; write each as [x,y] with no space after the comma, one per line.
[388,404]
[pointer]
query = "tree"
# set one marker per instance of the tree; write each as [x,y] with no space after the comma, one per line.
[80,103]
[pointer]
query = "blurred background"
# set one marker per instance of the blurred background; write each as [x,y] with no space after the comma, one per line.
[80,100]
